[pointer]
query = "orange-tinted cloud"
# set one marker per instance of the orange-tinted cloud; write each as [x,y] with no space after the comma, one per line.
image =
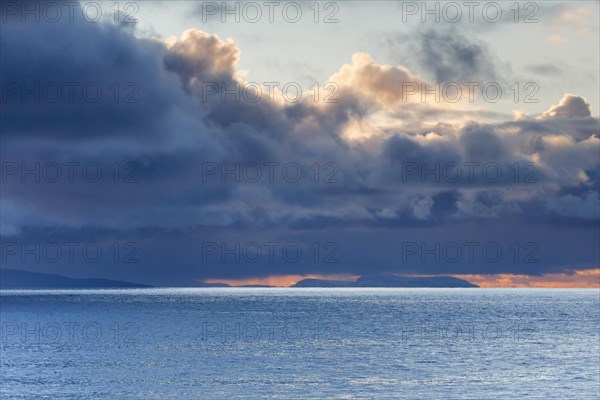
[579,279]
[569,106]
[378,83]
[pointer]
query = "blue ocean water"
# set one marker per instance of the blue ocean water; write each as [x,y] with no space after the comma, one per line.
[300,344]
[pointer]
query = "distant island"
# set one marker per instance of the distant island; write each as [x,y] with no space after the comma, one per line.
[19,279]
[391,281]
[379,281]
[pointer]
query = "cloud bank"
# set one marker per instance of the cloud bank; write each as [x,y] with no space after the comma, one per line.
[378,168]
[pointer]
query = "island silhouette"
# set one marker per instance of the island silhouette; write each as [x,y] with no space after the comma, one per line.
[20,279]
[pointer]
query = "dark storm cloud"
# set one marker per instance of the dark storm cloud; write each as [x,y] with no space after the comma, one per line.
[357,195]
[546,69]
[447,55]
[64,80]
[481,142]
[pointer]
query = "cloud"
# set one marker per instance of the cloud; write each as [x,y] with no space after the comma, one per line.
[585,207]
[174,130]
[569,106]
[556,39]
[111,85]
[546,69]
[199,56]
[447,55]
[570,18]
[383,84]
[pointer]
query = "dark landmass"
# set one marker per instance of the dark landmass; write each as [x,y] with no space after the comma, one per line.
[205,285]
[17,279]
[323,283]
[391,281]
[255,286]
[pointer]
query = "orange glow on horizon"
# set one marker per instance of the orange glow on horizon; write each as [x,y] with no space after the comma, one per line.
[281,280]
[579,279]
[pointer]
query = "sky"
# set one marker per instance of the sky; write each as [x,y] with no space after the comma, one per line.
[166,143]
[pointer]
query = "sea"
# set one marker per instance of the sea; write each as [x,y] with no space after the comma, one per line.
[309,343]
